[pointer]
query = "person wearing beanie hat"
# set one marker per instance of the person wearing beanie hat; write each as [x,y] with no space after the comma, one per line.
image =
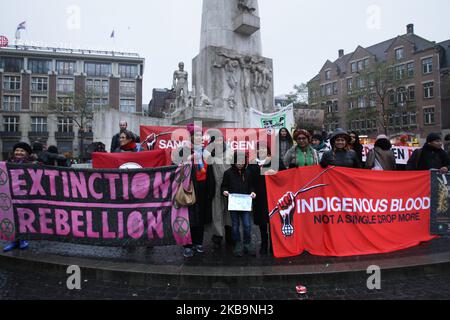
[21,154]
[318,143]
[381,157]
[341,154]
[301,155]
[431,156]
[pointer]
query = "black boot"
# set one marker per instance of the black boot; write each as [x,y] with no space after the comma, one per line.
[264,251]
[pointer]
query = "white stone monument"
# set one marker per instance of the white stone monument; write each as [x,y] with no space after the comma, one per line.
[230,69]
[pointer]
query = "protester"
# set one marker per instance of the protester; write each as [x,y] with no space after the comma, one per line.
[22,154]
[115,143]
[285,143]
[341,155]
[447,139]
[430,156]
[381,157]
[318,143]
[302,154]
[200,214]
[260,205]
[49,157]
[356,145]
[238,180]
[218,156]
[128,143]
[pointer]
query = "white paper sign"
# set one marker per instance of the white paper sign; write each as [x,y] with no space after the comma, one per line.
[240,202]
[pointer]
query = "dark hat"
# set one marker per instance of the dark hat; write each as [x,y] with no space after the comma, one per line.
[447,137]
[318,137]
[23,145]
[433,137]
[300,132]
[339,133]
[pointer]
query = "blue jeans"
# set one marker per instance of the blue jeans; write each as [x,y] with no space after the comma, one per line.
[246,221]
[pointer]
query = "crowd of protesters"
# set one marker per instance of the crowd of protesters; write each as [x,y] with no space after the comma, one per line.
[214,182]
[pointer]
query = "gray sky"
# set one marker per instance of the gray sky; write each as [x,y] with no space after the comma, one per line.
[298,35]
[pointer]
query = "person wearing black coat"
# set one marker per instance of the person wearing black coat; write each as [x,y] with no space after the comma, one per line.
[341,155]
[355,144]
[238,180]
[260,206]
[431,156]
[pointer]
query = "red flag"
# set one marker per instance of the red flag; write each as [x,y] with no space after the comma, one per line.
[346,212]
[148,159]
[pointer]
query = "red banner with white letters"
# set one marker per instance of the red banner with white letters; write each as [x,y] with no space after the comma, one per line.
[347,212]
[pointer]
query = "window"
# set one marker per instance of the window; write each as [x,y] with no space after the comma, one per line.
[361,102]
[428,115]
[98,69]
[405,119]
[38,124]
[39,66]
[360,65]
[128,105]
[427,65]
[39,104]
[65,125]
[335,106]
[360,82]
[413,117]
[327,75]
[97,88]
[400,72]
[399,54]
[11,64]
[96,103]
[65,85]
[412,93]
[349,85]
[354,67]
[66,68]
[65,104]
[428,89]
[11,103]
[11,124]
[127,88]
[366,63]
[401,95]
[11,83]
[39,84]
[391,97]
[410,68]
[131,71]
[322,91]
[373,100]
[335,89]
[329,89]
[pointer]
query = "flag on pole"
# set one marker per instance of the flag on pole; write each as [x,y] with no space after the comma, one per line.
[21,26]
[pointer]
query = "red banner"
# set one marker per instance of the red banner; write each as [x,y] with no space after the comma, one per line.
[346,212]
[237,139]
[131,160]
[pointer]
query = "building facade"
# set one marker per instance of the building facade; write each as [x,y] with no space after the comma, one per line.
[399,86]
[45,94]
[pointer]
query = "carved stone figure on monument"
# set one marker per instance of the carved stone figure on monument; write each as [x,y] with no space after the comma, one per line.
[246,6]
[204,99]
[231,68]
[181,85]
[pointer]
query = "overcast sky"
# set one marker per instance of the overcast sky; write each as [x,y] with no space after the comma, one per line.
[298,35]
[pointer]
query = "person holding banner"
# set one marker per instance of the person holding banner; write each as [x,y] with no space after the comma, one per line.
[128,143]
[22,154]
[200,214]
[431,156]
[285,143]
[237,184]
[302,155]
[381,157]
[341,155]
[260,206]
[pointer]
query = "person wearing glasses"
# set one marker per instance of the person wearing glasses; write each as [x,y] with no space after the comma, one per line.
[303,154]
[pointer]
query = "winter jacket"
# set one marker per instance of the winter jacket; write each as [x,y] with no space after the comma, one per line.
[260,206]
[428,158]
[290,159]
[385,158]
[341,158]
[237,181]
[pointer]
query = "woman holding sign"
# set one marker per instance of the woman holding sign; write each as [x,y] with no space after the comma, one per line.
[237,186]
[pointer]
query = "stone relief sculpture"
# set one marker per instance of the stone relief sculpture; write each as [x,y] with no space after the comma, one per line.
[246,6]
[181,85]
[255,80]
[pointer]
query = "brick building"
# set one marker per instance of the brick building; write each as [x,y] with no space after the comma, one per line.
[33,79]
[416,87]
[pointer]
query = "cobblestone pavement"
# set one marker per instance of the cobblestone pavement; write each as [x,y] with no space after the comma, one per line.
[18,285]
